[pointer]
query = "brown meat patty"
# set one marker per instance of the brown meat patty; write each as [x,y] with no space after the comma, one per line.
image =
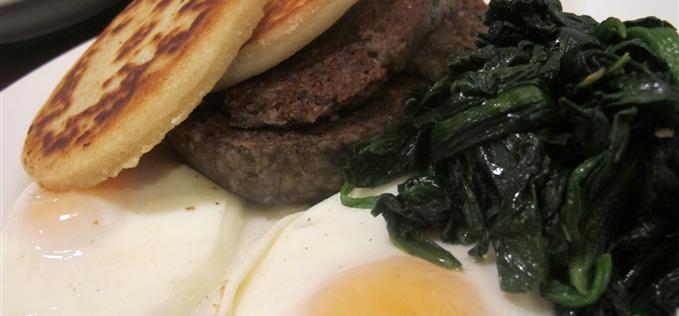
[340,69]
[282,137]
[456,34]
[286,165]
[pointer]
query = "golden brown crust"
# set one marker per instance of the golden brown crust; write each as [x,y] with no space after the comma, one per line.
[142,76]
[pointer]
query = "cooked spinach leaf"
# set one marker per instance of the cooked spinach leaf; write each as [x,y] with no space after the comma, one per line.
[554,145]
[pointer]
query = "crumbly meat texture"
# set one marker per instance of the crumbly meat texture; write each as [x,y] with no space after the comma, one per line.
[286,165]
[340,69]
[456,34]
[287,27]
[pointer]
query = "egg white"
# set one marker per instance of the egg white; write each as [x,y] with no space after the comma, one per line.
[164,239]
[155,241]
[303,252]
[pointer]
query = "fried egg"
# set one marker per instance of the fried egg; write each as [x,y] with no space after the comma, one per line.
[334,260]
[154,241]
[162,240]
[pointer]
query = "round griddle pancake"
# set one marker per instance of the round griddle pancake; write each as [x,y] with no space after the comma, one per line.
[143,75]
[288,26]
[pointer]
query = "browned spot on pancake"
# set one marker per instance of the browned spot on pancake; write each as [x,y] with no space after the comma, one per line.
[195,5]
[120,26]
[90,52]
[157,37]
[107,83]
[161,5]
[275,14]
[82,139]
[62,97]
[135,40]
[82,127]
[177,37]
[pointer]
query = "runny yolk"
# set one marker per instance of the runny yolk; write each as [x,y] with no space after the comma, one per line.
[394,287]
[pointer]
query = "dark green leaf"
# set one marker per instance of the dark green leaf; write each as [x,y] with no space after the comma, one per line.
[425,249]
[515,110]
[664,41]
[611,30]
[356,202]
[382,159]
[569,296]
[427,199]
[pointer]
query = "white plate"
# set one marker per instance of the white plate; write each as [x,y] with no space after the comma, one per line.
[20,101]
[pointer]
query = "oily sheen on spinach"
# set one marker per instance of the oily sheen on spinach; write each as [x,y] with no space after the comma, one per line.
[555,146]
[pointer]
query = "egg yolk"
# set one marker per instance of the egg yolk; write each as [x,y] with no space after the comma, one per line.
[396,286]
